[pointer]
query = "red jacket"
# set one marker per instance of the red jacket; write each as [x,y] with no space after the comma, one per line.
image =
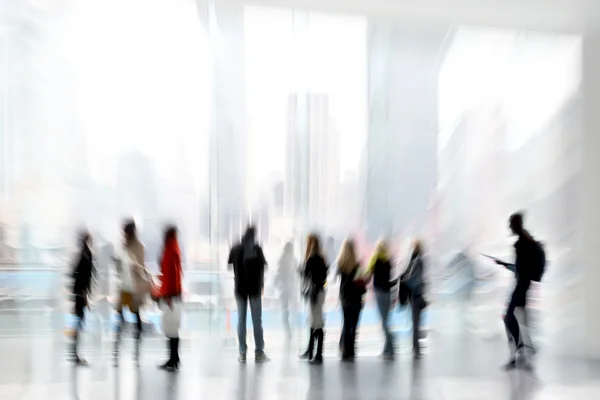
[170,267]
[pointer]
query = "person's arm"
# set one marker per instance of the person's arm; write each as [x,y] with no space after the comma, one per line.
[508,266]
[263,263]
[230,259]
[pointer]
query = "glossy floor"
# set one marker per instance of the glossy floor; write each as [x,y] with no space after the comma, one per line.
[455,367]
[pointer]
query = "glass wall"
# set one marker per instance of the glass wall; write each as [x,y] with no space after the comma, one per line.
[215,115]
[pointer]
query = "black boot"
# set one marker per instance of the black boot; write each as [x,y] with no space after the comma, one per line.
[169,364]
[311,345]
[319,334]
[176,353]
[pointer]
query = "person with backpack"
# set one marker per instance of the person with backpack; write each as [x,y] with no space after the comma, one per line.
[412,290]
[530,261]
[248,263]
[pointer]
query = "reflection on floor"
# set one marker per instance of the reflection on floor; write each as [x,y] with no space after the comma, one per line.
[455,368]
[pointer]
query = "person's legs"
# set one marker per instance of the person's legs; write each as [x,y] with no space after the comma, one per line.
[176,352]
[318,323]
[119,327]
[138,336]
[285,309]
[522,320]
[348,332]
[342,333]
[242,306]
[416,317]
[80,315]
[355,315]
[256,311]
[512,329]
[383,304]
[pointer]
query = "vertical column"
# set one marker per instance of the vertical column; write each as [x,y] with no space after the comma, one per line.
[402,142]
[590,199]
[224,22]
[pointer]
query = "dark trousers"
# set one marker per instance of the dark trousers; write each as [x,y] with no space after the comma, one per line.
[351,317]
[80,304]
[513,330]
[137,335]
[416,310]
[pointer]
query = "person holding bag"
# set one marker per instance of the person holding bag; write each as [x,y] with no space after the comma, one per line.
[134,284]
[169,294]
[412,290]
[352,289]
[314,277]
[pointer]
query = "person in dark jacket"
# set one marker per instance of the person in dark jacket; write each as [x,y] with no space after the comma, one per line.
[380,267]
[352,289]
[169,295]
[526,249]
[248,263]
[83,275]
[413,279]
[314,275]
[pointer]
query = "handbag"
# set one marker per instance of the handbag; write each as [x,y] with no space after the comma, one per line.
[403,294]
[171,317]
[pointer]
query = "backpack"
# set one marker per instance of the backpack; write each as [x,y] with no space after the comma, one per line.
[539,267]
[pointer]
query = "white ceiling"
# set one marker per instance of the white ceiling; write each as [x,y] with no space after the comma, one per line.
[557,15]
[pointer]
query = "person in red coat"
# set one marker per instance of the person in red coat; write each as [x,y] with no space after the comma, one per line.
[169,293]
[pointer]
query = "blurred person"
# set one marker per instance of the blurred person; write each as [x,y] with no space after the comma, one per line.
[314,278]
[285,279]
[380,267]
[352,289]
[104,260]
[529,265]
[248,263]
[412,288]
[169,295]
[83,275]
[134,284]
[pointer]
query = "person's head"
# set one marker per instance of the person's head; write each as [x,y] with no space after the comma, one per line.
[515,223]
[313,246]
[249,235]
[129,232]
[417,247]
[347,261]
[85,239]
[170,233]
[288,249]
[382,250]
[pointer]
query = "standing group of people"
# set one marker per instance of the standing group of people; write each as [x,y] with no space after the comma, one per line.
[248,263]
[136,285]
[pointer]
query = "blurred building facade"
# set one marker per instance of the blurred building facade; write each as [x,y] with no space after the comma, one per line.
[312,174]
[402,137]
